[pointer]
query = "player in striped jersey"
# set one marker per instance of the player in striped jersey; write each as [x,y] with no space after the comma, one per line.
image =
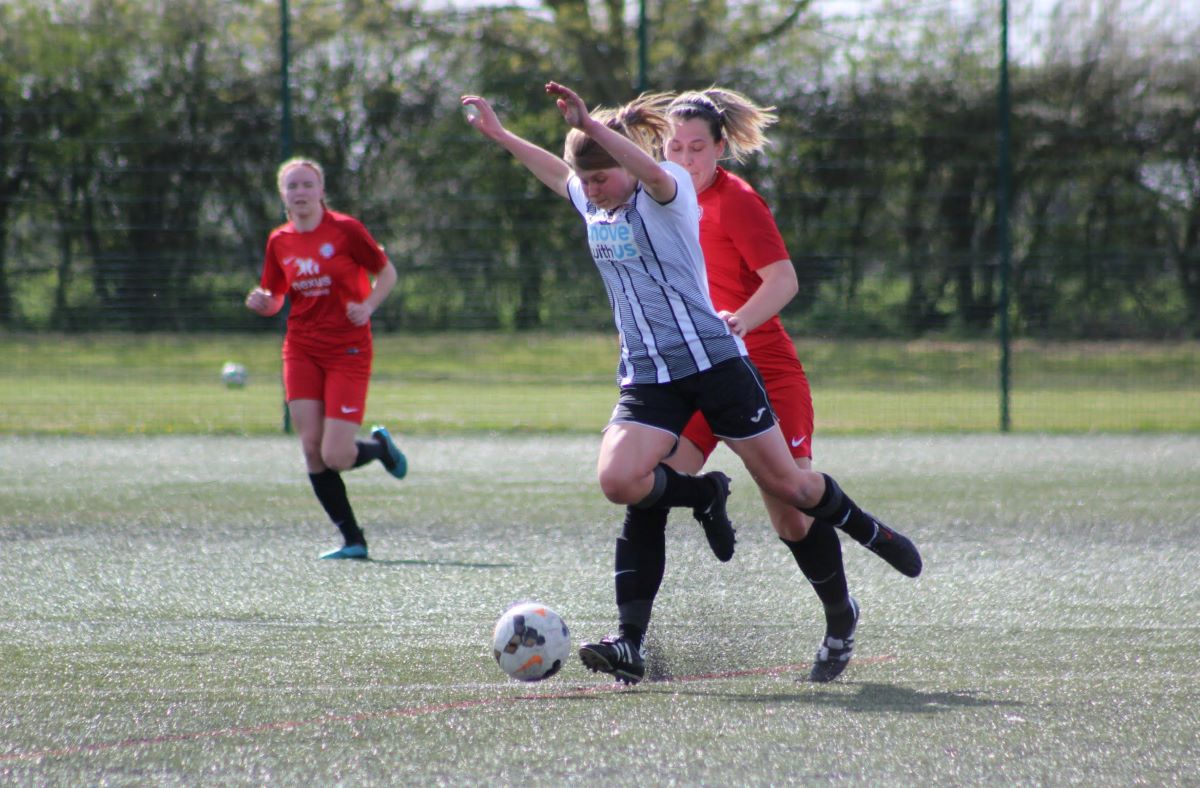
[678,355]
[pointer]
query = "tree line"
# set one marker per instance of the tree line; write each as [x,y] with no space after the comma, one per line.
[139,140]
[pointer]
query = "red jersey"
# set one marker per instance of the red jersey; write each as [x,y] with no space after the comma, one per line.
[322,271]
[739,236]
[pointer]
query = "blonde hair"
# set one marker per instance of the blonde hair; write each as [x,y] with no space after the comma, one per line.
[731,117]
[293,163]
[643,120]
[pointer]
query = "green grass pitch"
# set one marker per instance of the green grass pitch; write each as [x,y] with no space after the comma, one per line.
[564,383]
[165,621]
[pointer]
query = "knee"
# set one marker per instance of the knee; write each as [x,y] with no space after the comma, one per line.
[780,486]
[795,487]
[791,525]
[338,457]
[618,487]
[812,487]
[312,456]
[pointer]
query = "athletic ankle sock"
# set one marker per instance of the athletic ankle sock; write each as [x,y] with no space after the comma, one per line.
[836,508]
[839,621]
[331,492]
[641,559]
[819,556]
[633,633]
[368,450]
[672,488]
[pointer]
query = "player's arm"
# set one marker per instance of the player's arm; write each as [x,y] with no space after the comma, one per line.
[264,302]
[267,298]
[549,169]
[657,182]
[385,280]
[779,286]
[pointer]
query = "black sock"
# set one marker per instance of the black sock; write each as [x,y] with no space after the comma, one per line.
[819,556]
[367,451]
[331,492]
[641,559]
[838,510]
[672,488]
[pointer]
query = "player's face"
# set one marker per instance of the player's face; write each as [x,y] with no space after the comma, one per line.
[302,191]
[692,147]
[608,188]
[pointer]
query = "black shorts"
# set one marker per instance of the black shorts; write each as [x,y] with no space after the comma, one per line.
[731,396]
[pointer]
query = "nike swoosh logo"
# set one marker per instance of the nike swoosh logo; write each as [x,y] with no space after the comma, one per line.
[348,410]
[796,442]
[758,417]
[623,572]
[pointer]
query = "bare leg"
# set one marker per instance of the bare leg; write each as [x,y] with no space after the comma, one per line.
[316,432]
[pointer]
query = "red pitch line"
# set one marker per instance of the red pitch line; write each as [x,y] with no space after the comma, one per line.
[419,711]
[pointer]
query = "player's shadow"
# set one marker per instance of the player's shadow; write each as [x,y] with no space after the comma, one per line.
[437,562]
[872,697]
[867,696]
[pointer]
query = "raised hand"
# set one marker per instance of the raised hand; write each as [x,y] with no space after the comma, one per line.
[574,111]
[479,113]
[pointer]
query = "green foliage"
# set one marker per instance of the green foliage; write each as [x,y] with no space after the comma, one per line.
[138,142]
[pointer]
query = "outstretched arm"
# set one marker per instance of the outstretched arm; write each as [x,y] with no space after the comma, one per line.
[655,180]
[549,169]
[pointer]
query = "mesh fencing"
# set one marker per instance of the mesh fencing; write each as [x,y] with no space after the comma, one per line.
[138,192]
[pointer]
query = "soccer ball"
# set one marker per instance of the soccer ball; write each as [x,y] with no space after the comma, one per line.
[234,375]
[530,642]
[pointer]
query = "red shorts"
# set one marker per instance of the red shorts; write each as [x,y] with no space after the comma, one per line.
[791,399]
[334,373]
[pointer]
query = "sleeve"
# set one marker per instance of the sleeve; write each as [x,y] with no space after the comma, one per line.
[365,250]
[685,190]
[752,229]
[684,205]
[576,195]
[273,278]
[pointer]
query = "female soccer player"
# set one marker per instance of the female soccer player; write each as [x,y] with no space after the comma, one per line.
[678,356]
[324,260]
[751,277]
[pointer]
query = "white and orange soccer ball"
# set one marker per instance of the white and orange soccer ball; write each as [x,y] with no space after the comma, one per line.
[531,642]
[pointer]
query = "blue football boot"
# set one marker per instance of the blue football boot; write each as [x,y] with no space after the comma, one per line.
[393,459]
[358,551]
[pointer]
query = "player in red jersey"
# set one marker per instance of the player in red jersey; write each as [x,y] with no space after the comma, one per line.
[325,260]
[751,278]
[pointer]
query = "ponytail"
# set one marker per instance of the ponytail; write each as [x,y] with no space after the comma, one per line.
[730,116]
[643,120]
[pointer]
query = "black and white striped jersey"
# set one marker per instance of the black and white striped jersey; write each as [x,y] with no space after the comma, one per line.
[650,260]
